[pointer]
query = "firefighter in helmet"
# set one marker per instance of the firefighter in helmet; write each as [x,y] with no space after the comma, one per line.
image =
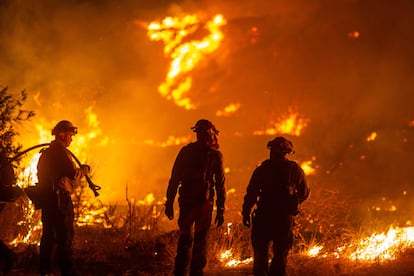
[198,175]
[276,189]
[57,176]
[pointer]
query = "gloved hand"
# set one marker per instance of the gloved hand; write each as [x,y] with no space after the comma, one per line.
[66,184]
[85,169]
[78,177]
[246,220]
[79,173]
[219,218]
[169,210]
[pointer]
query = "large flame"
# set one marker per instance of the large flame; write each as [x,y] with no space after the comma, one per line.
[90,211]
[378,247]
[184,54]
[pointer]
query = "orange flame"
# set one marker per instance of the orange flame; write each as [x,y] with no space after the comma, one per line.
[377,247]
[372,137]
[28,177]
[228,110]
[291,124]
[184,55]
[307,167]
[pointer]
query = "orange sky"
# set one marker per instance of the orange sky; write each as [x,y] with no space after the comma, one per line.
[276,57]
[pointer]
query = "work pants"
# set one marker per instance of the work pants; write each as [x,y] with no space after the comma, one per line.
[193,247]
[276,229]
[57,231]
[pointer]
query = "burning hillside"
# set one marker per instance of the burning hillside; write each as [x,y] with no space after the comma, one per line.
[335,78]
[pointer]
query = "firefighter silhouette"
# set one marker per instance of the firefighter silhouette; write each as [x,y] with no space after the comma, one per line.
[276,188]
[197,174]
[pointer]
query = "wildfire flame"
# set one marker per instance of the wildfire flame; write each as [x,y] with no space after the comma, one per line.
[184,55]
[372,137]
[228,110]
[28,177]
[307,167]
[291,124]
[377,247]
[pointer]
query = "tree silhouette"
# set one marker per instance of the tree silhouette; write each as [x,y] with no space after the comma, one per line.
[11,114]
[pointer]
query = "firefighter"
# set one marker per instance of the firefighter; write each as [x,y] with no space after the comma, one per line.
[57,176]
[8,193]
[276,189]
[197,174]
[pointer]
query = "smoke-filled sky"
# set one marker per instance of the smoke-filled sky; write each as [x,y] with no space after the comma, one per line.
[346,65]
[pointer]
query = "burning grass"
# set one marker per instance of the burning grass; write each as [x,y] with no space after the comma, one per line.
[133,239]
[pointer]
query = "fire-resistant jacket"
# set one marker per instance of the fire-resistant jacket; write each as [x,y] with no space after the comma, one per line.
[197,173]
[276,187]
[54,163]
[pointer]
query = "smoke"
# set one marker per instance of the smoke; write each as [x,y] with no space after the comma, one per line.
[345,65]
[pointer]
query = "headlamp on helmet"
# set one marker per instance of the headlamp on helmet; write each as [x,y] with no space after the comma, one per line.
[64,126]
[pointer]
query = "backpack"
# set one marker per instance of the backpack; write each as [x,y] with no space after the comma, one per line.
[280,197]
[8,192]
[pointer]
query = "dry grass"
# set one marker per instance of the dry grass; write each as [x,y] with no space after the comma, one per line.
[134,241]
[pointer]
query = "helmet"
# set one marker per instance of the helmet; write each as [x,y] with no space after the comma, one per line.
[281,145]
[204,125]
[64,126]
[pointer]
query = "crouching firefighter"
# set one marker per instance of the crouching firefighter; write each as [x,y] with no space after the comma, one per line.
[57,176]
[277,187]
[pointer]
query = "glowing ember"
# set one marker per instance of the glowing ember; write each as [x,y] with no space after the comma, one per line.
[353,35]
[372,137]
[384,205]
[291,124]
[227,258]
[307,167]
[314,251]
[228,110]
[184,55]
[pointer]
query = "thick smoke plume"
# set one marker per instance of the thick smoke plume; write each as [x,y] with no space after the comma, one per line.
[345,65]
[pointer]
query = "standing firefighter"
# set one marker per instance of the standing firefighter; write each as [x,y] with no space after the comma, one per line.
[57,175]
[277,187]
[197,174]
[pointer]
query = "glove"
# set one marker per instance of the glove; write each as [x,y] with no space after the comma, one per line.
[169,210]
[66,184]
[246,220]
[219,219]
[85,169]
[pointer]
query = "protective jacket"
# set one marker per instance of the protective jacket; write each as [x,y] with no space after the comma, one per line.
[54,163]
[197,173]
[57,208]
[277,187]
